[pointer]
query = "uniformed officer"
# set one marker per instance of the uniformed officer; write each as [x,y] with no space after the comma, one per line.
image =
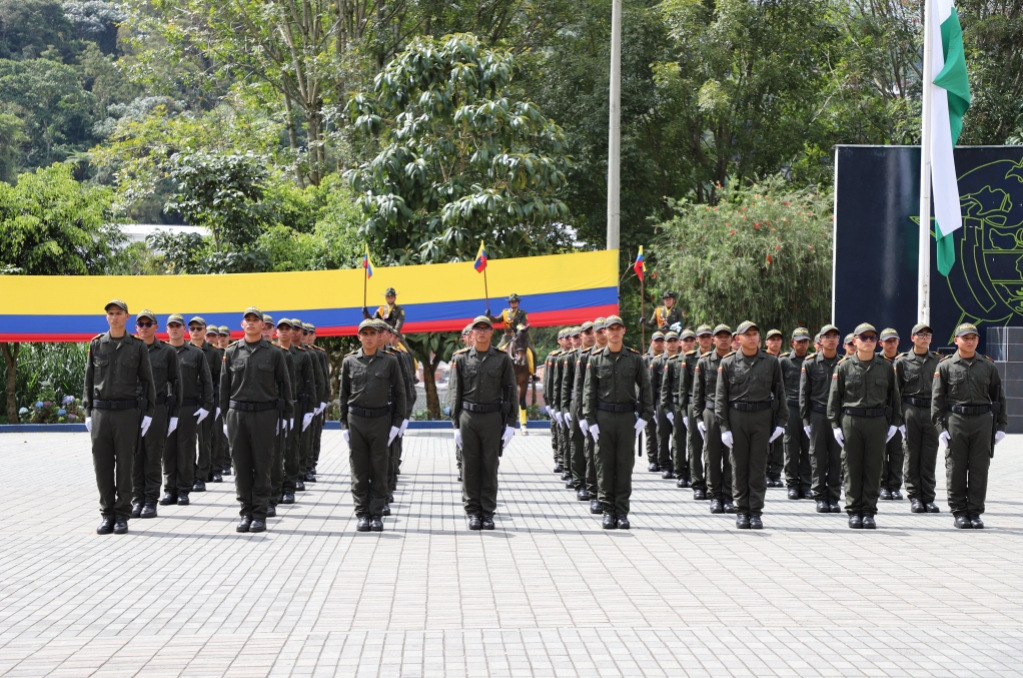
[776,454]
[694,434]
[585,483]
[717,461]
[390,312]
[224,460]
[372,400]
[284,472]
[751,410]
[550,398]
[670,400]
[617,404]
[665,315]
[573,411]
[116,415]
[894,453]
[863,408]
[915,373]
[565,382]
[390,344]
[179,452]
[815,379]
[323,389]
[216,427]
[167,383]
[214,358]
[796,442]
[652,361]
[968,404]
[268,327]
[665,410]
[255,391]
[849,345]
[484,408]
[467,342]
[512,317]
[306,426]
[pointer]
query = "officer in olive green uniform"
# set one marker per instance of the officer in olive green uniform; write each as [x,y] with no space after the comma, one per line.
[717,461]
[550,400]
[306,431]
[750,408]
[665,414]
[776,457]
[825,451]
[796,442]
[303,390]
[255,392]
[671,403]
[915,373]
[224,458]
[214,357]
[616,392]
[286,433]
[467,343]
[372,401]
[116,416]
[572,411]
[586,476]
[894,452]
[322,389]
[391,346]
[968,404]
[652,361]
[665,315]
[197,404]
[694,434]
[390,312]
[864,411]
[167,383]
[556,383]
[484,409]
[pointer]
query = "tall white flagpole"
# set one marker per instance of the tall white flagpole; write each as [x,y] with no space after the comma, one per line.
[924,261]
[614,145]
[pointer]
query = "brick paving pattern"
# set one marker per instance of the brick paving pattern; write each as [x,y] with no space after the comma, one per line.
[546,594]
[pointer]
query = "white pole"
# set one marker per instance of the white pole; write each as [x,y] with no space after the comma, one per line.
[924,262]
[614,144]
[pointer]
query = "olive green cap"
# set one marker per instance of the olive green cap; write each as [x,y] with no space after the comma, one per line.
[687,334]
[920,327]
[613,320]
[268,319]
[721,328]
[800,333]
[197,320]
[145,313]
[864,327]
[889,333]
[586,326]
[284,321]
[382,326]
[123,305]
[848,339]
[368,324]
[309,327]
[482,320]
[828,328]
[671,336]
[703,330]
[577,330]
[599,323]
[657,335]
[747,325]
[223,331]
[252,310]
[967,328]
[467,329]
[295,322]
[773,333]
[175,318]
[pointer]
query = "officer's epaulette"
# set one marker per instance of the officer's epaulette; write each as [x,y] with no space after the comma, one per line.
[97,336]
[786,354]
[946,357]
[351,353]
[695,351]
[901,355]
[634,351]
[461,350]
[989,358]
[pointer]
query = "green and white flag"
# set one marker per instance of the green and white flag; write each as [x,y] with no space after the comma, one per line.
[950,98]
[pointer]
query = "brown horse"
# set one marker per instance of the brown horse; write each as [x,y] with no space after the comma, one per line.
[518,349]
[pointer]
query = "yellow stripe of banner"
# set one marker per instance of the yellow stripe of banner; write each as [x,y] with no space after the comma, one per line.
[86,295]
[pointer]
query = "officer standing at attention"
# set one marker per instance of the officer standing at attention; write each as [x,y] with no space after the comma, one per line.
[968,405]
[167,382]
[550,398]
[671,387]
[665,315]
[894,453]
[390,344]
[370,421]
[617,404]
[694,435]
[566,382]
[717,461]
[390,312]
[224,463]
[652,360]
[116,416]
[467,342]
[254,388]
[286,433]
[776,457]
[586,486]
[576,437]
[825,451]
[750,408]
[915,374]
[216,427]
[664,411]
[179,453]
[484,408]
[849,345]
[304,391]
[600,342]
[204,461]
[323,391]
[864,410]
[796,442]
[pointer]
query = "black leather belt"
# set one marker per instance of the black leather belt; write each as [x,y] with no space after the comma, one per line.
[919,402]
[969,409]
[186,402]
[616,407]
[749,407]
[115,404]
[253,407]
[865,412]
[371,412]
[709,405]
[818,408]
[481,408]
[792,403]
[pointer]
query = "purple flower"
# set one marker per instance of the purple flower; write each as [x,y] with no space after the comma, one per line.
[72,418]
[68,400]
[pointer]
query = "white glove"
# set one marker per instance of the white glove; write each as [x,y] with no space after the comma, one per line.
[509,432]
[568,418]
[726,439]
[640,425]
[277,428]
[595,432]
[347,435]
[702,428]
[146,421]
[671,417]
[404,425]
[323,407]
[838,436]
[944,437]
[217,415]
[999,436]
[88,424]
[225,428]
[392,435]
[778,430]
[902,430]
[458,438]
[172,426]
[584,427]
[891,433]
[307,419]
[557,417]
[291,424]
[201,414]
[685,421]
[806,430]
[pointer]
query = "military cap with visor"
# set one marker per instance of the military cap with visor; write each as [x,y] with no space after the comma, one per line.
[687,334]
[368,324]
[252,310]
[309,327]
[119,303]
[657,336]
[966,329]
[284,321]
[706,330]
[747,325]
[145,313]
[889,333]
[864,328]
[613,320]
[799,334]
[482,320]
[829,328]
[921,328]
[197,320]
[773,333]
[175,318]
[671,336]
[721,329]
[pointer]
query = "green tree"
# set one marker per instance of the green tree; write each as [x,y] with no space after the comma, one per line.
[52,225]
[30,27]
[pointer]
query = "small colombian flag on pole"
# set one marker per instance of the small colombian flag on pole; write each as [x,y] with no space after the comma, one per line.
[640,266]
[481,259]
[367,264]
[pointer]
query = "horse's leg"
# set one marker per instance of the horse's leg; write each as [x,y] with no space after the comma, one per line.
[523,415]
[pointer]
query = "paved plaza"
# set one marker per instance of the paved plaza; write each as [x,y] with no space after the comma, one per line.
[548,593]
